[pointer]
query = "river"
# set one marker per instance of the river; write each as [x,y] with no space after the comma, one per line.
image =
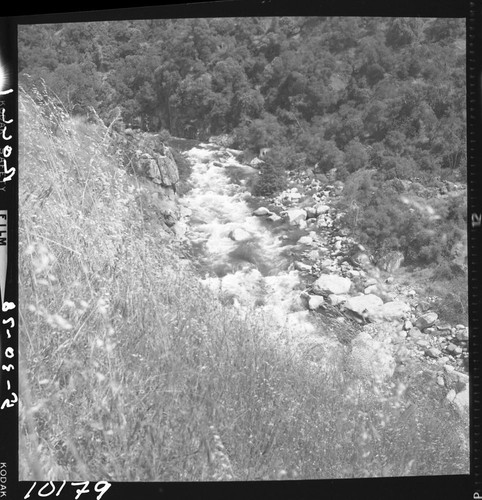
[242,256]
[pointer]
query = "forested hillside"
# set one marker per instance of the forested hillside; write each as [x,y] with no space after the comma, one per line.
[381,100]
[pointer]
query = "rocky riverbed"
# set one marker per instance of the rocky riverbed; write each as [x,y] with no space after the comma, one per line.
[290,258]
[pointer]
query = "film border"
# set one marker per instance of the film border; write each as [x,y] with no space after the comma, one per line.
[391,488]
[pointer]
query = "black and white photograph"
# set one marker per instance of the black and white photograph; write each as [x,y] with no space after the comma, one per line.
[243,249]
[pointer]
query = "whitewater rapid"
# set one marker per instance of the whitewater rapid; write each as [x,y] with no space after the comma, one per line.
[252,273]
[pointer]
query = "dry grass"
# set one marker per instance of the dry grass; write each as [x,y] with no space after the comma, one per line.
[134,372]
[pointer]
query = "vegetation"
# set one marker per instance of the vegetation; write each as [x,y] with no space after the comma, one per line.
[133,371]
[351,94]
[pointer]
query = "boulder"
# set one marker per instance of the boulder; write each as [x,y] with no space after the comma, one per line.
[433,352]
[415,333]
[168,172]
[363,304]
[259,212]
[239,234]
[462,401]
[336,300]
[390,311]
[426,320]
[331,283]
[444,329]
[301,266]
[462,335]
[321,209]
[314,302]
[305,240]
[274,217]
[371,289]
[296,216]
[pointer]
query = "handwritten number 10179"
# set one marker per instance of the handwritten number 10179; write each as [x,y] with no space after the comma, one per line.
[49,489]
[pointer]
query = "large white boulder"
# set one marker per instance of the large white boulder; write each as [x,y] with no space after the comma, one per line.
[239,234]
[394,310]
[314,302]
[296,216]
[362,304]
[322,209]
[259,212]
[331,283]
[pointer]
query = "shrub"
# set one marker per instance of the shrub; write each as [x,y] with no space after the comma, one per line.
[271,180]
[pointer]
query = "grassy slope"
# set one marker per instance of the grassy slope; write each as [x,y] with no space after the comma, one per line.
[131,371]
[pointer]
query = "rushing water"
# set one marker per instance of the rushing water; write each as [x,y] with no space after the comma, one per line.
[242,256]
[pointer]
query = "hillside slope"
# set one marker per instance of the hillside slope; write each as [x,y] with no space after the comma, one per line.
[133,371]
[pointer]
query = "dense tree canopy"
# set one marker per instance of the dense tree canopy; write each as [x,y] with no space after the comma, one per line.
[355,94]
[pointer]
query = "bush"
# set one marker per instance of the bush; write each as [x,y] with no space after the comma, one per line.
[271,180]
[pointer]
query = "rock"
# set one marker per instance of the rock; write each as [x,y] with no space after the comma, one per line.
[425,344]
[440,381]
[422,306]
[462,335]
[444,328]
[430,330]
[274,217]
[407,325]
[321,209]
[415,333]
[451,348]
[169,174]
[433,352]
[305,240]
[337,246]
[169,217]
[442,360]
[371,359]
[371,289]
[462,401]
[331,283]
[239,234]
[390,311]
[363,304]
[451,395]
[426,320]
[336,300]
[259,212]
[301,266]
[389,280]
[314,302]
